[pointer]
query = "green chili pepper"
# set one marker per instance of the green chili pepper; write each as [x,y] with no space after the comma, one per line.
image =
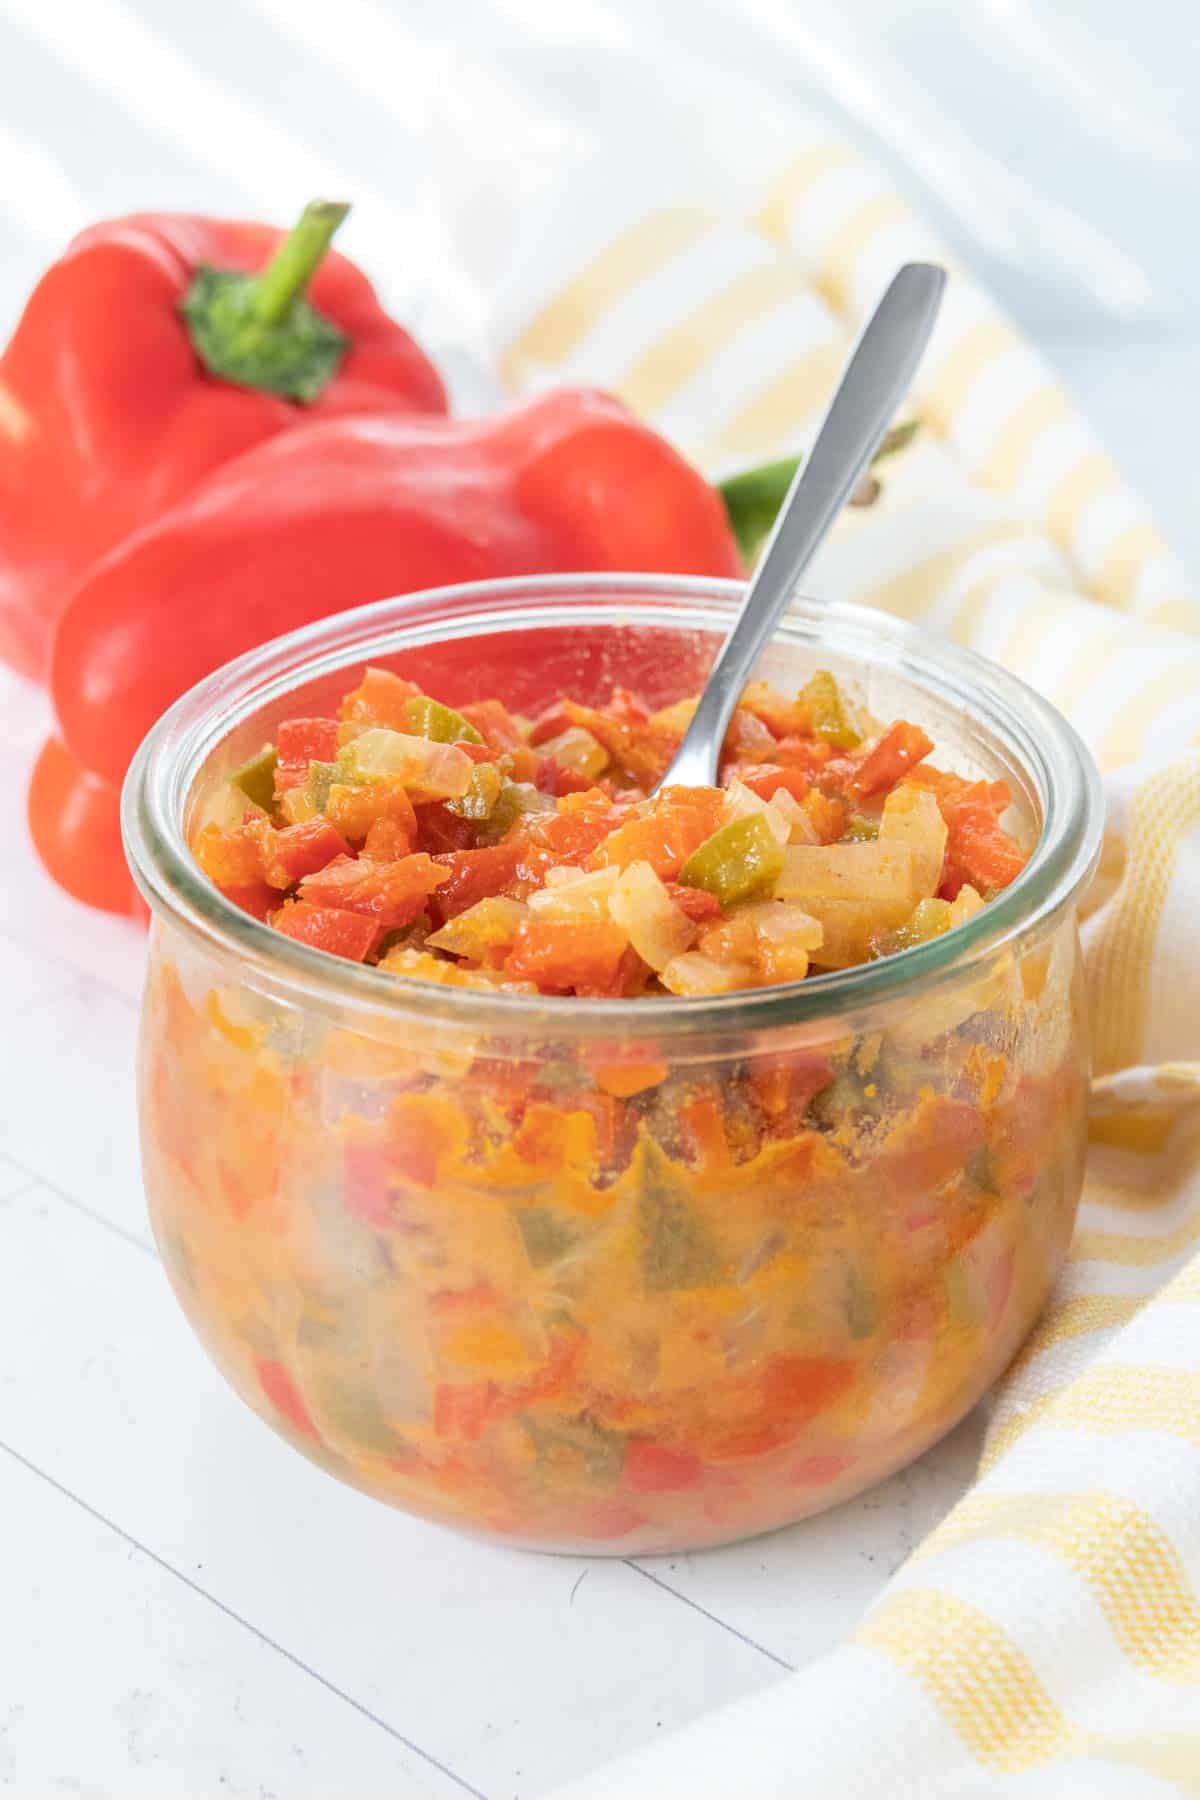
[256,779]
[430,719]
[860,830]
[831,717]
[741,859]
[479,801]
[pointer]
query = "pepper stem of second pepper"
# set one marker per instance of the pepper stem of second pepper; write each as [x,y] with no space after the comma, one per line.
[259,331]
[753,497]
[297,259]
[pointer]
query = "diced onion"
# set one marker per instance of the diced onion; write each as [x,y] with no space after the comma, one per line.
[654,925]
[742,800]
[696,973]
[912,816]
[577,749]
[873,871]
[574,894]
[441,771]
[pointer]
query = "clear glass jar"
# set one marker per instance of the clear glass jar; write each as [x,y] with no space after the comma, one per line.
[616,1276]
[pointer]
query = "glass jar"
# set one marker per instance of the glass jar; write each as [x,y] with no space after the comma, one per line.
[606,1275]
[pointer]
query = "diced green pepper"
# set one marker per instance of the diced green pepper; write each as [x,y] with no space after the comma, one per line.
[961,1305]
[741,859]
[831,717]
[860,830]
[350,1406]
[256,779]
[576,1447]
[545,1234]
[515,800]
[677,1247]
[430,719]
[928,919]
[479,801]
[859,1303]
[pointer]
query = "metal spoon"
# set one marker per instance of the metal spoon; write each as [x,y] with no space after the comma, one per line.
[875,382]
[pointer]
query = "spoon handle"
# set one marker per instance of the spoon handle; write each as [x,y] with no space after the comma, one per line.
[876,380]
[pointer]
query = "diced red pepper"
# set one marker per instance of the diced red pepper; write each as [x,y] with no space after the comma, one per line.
[330,928]
[978,851]
[277,1384]
[299,850]
[562,955]
[766,779]
[475,875]
[819,1471]
[387,840]
[827,814]
[479,1295]
[299,742]
[659,1469]
[698,903]
[666,835]
[627,707]
[805,753]
[380,699]
[606,1520]
[460,1408]
[900,748]
[798,1387]
[392,894]
[550,723]
[555,778]
[494,723]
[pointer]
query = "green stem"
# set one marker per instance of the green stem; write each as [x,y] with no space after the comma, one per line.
[752,499]
[259,331]
[297,259]
[753,496]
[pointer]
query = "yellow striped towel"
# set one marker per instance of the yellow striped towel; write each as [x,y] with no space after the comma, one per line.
[1045,1640]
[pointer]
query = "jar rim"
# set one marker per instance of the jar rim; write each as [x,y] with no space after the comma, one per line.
[1035,733]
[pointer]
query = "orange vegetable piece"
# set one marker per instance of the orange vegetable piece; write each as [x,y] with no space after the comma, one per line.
[665,835]
[562,956]
[284,1395]
[900,748]
[328,928]
[390,893]
[659,1469]
[299,850]
[380,699]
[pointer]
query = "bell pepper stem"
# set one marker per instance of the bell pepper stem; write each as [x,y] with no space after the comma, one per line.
[259,331]
[297,259]
[753,496]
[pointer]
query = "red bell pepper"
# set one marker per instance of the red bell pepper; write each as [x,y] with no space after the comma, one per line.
[344,511]
[156,349]
[76,829]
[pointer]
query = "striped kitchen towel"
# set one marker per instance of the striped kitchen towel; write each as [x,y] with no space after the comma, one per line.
[1046,1639]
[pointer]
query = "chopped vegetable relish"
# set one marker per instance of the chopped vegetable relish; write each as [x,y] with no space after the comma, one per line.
[622,1294]
[477,847]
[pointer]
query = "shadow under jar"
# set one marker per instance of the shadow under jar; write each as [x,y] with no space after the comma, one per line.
[606,1275]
